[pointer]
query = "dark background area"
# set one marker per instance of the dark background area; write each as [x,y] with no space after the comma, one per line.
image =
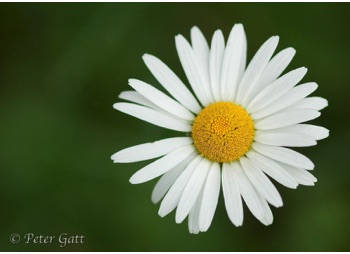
[62,67]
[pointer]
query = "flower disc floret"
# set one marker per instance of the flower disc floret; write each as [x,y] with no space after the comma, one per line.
[223,132]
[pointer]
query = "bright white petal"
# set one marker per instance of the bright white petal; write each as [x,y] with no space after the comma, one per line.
[210,197]
[268,216]
[162,165]
[165,182]
[135,97]
[168,179]
[233,63]
[248,84]
[317,132]
[200,47]
[284,155]
[192,190]
[171,83]
[286,118]
[295,94]
[275,68]
[199,83]
[255,202]
[276,89]
[150,150]
[173,196]
[248,192]
[161,100]
[315,103]
[215,63]
[201,51]
[193,217]
[302,176]
[232,196]
[284,139]
[271,168]
[153,116]
[261,183]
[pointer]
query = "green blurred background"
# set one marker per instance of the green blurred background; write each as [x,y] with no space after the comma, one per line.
[62,67]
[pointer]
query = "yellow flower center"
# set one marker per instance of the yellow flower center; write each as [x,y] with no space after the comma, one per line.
[223,132]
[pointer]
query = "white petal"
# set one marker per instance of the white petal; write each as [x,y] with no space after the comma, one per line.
[233,63]
[193,217]
[302,176]
[168,179]
[261,183]
[315,103]
[276,89]
[271,168]
[135,97]
[232,196]
[216,59]
[171,83]
[210,197]
[284,155]
[162,165]
[192,190]
[200,47]
[317,132]
[268,216]
[295,94]
[161,100]
[150,150]
[173,196]
[284,139]
[165,182]
[199,83]
[248,84]
[201,51]
[248,192]
[286,118]
[255,202]
[153,116]
[275,68]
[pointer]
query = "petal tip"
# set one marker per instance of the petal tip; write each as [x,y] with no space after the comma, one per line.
[238,224]
[326,102]
[161,213]
[179,216]
[217,32]
[267,223]
[134,180]
[154,200]
[304,69]
[194,29]
[237,26]
[131,81]
[279,205]
[116,106]
[276,38]
[145,56]
[292,50]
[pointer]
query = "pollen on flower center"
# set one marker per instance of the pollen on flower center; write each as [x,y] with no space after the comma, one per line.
[223,132]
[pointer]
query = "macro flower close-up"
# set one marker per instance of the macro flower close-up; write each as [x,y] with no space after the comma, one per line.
[174,127]
[238,124]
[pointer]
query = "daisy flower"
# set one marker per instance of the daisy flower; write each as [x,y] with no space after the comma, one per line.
[234,128]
